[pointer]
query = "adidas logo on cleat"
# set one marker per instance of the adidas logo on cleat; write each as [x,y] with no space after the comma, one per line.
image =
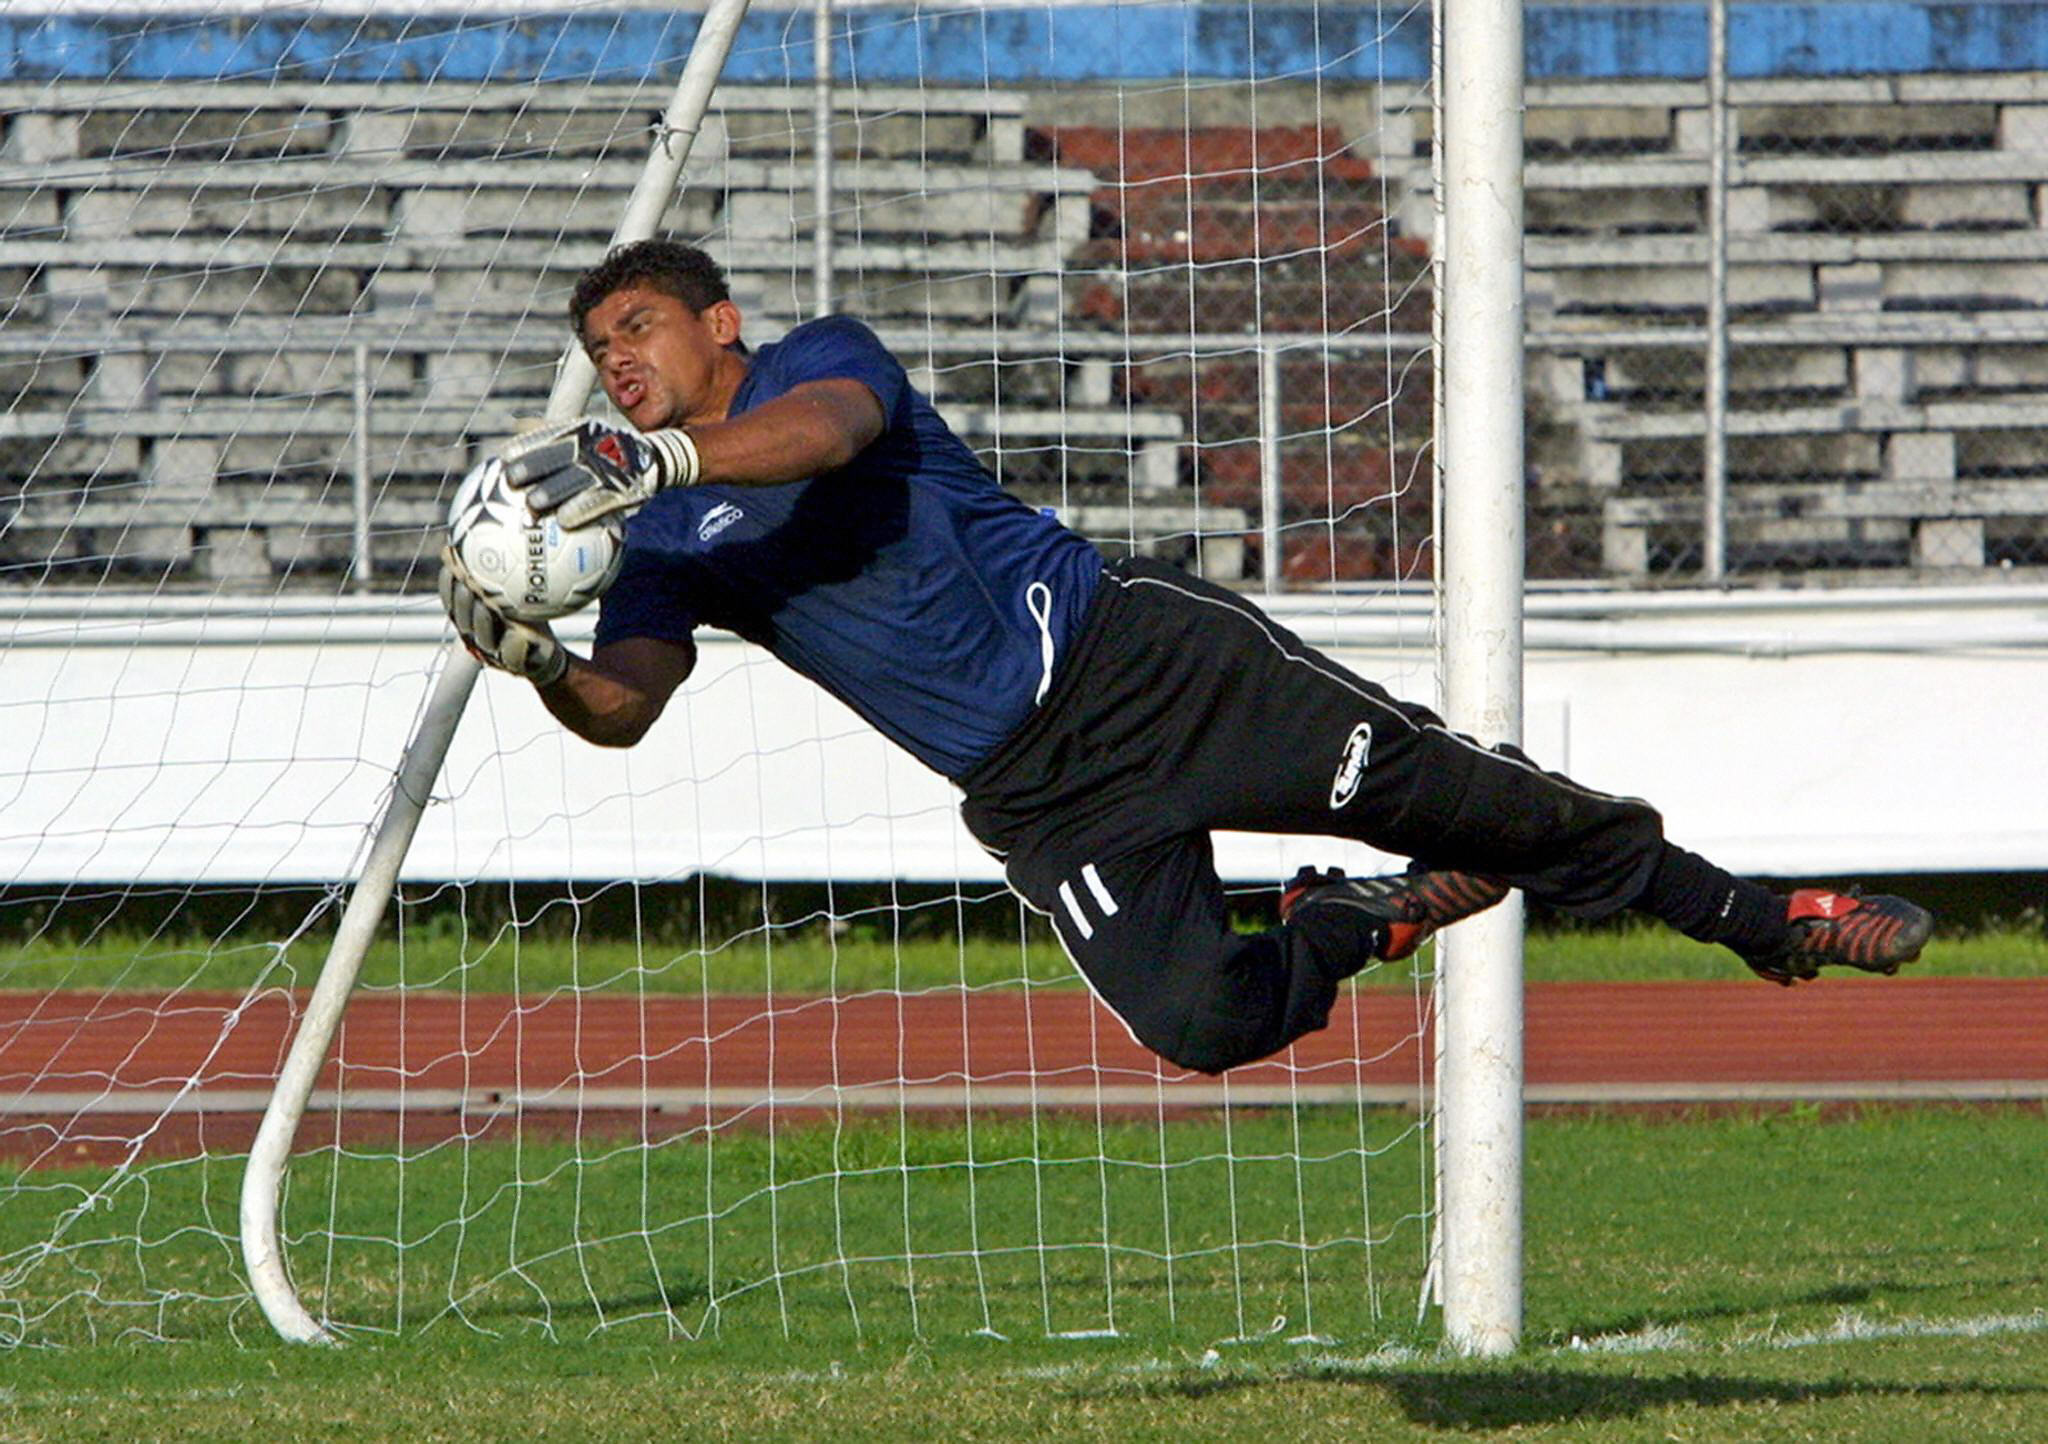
[1843,929]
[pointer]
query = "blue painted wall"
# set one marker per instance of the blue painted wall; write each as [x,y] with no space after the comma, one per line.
[1337,42]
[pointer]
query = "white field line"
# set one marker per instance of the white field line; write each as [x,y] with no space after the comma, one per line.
[916,1096]
[1848,1328]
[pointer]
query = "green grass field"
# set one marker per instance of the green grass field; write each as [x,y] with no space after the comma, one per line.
[1871,1274]
[1877,1274]
[809,960]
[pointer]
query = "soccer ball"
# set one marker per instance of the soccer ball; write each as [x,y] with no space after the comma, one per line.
[529,567]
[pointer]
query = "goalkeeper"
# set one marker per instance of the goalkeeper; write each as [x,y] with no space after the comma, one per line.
[1101,719]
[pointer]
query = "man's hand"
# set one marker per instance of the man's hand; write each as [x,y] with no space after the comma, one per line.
[525,649]
[583,470]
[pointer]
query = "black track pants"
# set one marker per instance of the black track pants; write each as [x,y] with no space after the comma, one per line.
[1183,708]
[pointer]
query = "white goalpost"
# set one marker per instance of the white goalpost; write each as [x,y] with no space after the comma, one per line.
[735,1034]
[1481,461]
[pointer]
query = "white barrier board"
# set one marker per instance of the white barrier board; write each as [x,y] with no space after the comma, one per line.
[221,748]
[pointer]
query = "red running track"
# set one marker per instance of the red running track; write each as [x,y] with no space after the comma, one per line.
[72,1064]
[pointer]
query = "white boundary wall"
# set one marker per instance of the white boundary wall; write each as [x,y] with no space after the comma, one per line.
[1794,734]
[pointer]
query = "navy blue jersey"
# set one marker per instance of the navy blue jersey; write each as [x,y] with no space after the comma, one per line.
[906,583]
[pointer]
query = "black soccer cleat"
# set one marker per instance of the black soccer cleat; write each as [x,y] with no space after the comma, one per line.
[1408,906]
[1841,929]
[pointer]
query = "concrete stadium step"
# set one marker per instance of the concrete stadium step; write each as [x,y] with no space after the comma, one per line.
[310,418]
[1864,415]
[254,120]
[896,195]
[1929,525]
[1774,368]
[1896,500]
[1869,155]
[131,280]
[1776,247]
[1688,171]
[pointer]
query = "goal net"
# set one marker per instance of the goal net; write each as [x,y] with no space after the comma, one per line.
[736,1032]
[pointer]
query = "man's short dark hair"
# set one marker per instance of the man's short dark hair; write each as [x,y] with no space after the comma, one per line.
[670,267]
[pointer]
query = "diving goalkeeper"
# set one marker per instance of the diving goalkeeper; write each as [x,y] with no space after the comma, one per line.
[1100,718]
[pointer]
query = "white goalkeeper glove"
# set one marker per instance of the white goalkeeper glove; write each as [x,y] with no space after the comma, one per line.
[525,649]
[583,470]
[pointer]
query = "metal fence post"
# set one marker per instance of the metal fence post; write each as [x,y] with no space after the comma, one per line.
[1269,468]
[1714,502]
[821,157]
[359,481]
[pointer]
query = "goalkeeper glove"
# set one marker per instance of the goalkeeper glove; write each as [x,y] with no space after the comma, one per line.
[583,470]
[525,649]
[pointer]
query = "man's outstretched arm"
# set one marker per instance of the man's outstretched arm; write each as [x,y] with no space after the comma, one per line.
[810,428]
[615,696]
[584,470]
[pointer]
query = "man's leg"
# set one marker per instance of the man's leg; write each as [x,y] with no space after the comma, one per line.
[1148,929]
[1195,711]
[1290,741]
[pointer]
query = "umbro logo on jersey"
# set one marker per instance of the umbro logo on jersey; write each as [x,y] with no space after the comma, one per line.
[1351,767]
[717,520]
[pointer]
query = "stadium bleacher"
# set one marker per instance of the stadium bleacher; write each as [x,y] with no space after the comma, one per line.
[1888,285]
[196,286]
[304,223]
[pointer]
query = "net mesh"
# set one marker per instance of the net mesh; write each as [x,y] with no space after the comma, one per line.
[738,1031]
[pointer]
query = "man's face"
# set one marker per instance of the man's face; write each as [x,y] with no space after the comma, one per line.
[661,363]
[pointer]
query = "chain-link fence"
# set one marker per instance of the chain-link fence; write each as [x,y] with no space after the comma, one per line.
[252,330]
[1883,404]
[270,285]
[1817,361]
